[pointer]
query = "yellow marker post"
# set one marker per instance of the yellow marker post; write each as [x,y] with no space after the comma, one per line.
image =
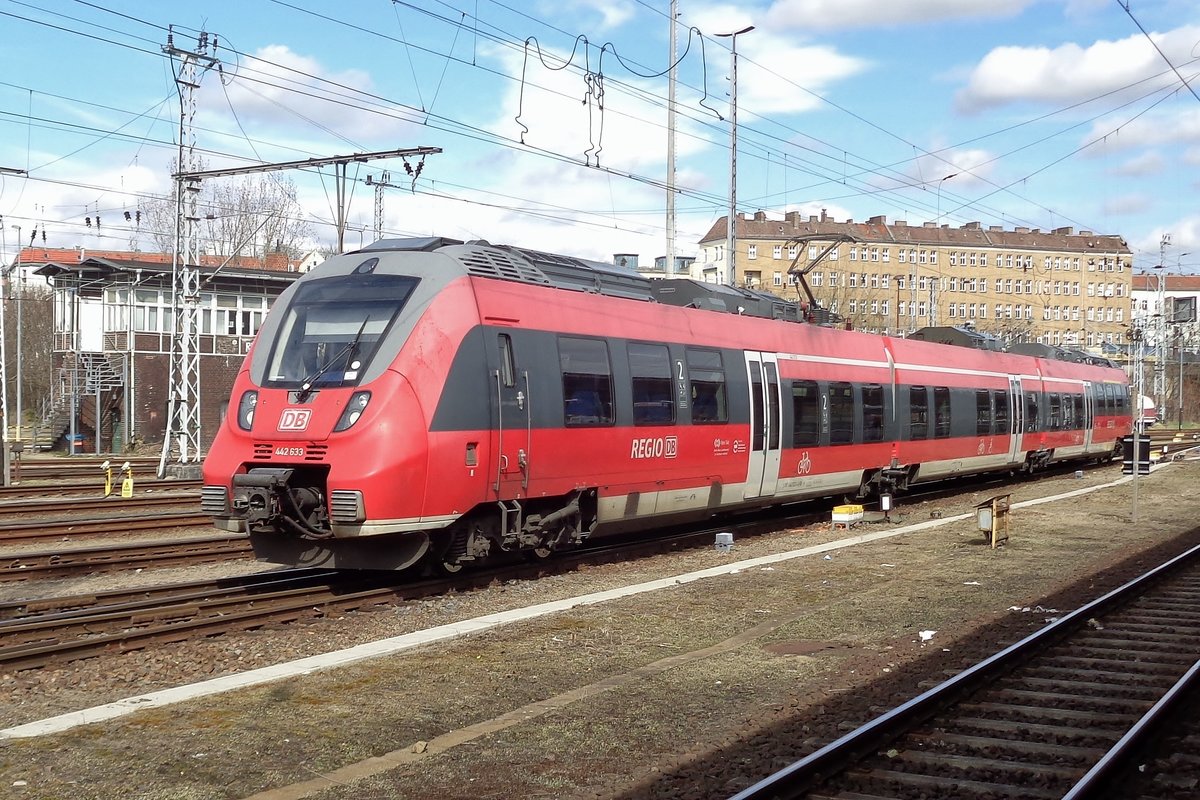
[127,482]
[107,467]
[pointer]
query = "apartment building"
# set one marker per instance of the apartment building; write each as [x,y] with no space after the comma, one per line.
[1058,287]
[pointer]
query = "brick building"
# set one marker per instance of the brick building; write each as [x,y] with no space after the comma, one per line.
[114,315]
[1054,287]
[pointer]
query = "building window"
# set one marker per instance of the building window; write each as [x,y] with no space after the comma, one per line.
[778,278]
[752,252]
[777,252]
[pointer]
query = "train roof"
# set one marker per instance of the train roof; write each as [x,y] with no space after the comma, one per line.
[504,262]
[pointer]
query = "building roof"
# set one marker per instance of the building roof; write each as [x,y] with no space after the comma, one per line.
[1148,282]
[899,232]
[95,268]
[273,262]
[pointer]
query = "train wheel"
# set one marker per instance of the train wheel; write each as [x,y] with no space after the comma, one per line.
[450,567]
[540,553]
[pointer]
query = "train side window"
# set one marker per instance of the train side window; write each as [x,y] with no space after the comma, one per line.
[1031,413]
[1110,399]
[872,408]
[650,370]
[806,413]
[941,412]
[983,412]
[1077,411]
[841,413]
[1122,395]
[586,380]
[918,411]
[508,368]
[706,374]
[1054,402]
[1000,409]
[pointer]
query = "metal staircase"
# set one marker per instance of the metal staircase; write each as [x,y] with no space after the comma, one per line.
[82,376]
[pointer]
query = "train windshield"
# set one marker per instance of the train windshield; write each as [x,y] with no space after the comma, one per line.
[332,329]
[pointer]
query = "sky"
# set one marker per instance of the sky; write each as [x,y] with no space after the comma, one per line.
[553,125]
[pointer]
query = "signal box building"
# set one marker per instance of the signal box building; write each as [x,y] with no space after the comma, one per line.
[114,321]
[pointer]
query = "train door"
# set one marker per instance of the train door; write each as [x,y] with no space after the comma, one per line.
[1016,418]
[511,429]
[1089,415]
[762,475]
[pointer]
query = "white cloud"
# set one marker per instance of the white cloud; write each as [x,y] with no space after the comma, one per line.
[613,13]
[1168,126]
[1070,72]
[1147,163]
[1126,204]
[838,14]
[277,92]
[766,74]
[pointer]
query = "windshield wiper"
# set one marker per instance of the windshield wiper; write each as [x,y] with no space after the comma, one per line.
[307,386]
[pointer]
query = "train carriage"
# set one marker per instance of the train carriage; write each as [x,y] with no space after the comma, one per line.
[445,401]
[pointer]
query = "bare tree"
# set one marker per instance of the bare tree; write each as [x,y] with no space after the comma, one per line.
[243,216]
[29,331]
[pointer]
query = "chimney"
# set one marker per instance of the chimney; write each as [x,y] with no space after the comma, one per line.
[900,223]
[812,218]
[277,261]
[824,217]
[878,220]
[760,216]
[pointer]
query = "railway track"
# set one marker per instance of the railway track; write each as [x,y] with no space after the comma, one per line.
[1060,714]
[38,468]
[63,562]
[24,506]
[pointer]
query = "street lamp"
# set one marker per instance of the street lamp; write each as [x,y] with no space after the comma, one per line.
[730,233]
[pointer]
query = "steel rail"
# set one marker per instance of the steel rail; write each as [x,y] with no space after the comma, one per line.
[805,774]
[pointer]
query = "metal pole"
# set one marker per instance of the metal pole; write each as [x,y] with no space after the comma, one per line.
[669,267]
[730,231]
[20,327]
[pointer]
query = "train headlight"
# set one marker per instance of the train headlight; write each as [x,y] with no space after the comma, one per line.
[354,409]
[246,406]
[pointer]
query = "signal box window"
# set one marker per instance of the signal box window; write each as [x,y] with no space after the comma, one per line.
[872,404]
[650,369]
[586,381]
[918,411]
[983,412]
[706,374]
[941,412]
[841,413]
[806,413]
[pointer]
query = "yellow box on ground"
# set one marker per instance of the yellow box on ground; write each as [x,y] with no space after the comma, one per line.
[847,514]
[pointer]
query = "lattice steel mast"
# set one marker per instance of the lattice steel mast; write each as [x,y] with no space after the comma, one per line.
[182,436]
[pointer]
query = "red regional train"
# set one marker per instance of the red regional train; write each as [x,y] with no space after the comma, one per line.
[439,401]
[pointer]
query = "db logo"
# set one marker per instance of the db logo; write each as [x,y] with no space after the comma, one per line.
[294,419]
